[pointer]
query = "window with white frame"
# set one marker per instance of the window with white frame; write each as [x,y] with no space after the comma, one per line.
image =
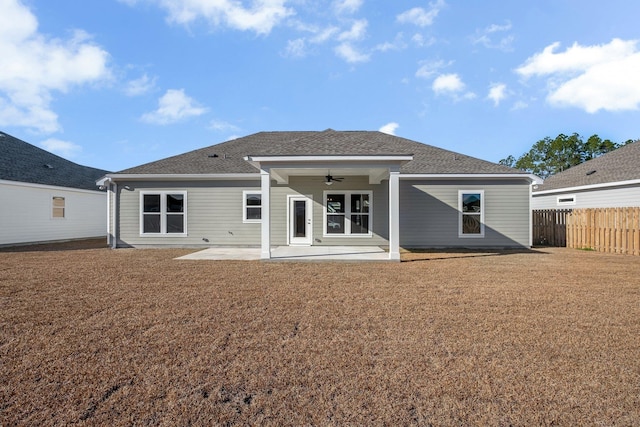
[57,207]
[568,200]
[163,212]
[348,213]
[471,213]
[251,206]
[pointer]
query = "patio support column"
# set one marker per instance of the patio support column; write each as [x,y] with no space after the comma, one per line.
[265,242]
[394,213]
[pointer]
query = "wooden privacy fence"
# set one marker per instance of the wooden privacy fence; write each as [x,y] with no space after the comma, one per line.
[615,230]
[549,227]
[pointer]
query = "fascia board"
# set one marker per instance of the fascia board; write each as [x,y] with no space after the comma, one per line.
[48,187]
[182,177]
[531,177]
[588,187]
[329,158]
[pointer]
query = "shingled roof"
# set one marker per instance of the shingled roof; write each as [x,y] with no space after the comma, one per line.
[228,157]
[622,164]
[23,162]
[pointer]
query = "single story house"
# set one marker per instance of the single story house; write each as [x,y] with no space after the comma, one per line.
[320,188]
[609,181]
[47,198]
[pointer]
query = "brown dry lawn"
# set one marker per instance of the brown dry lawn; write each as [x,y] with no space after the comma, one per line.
[93,336]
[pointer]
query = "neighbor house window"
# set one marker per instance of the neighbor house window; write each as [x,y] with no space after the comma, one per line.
[251,206]
[57,210]
[471,213]
[566,200]
[348,213]
[163,212]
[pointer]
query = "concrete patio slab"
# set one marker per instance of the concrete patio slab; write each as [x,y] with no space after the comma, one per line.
[294,253]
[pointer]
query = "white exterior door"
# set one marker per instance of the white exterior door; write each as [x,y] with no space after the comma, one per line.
[300,220]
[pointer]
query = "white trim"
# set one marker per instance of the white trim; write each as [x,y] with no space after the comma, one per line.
[329,158]
[163,213]
[588,187]
[531,177]
[265,229]
[394,215]
[244,207]
[63,207]
[116,204]
[178,177]
[530,217]
[48,187]
[308,199]
[461,214]
[347,214]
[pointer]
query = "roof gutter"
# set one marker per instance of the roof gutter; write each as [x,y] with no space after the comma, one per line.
[534,179]
[587,187]
[176,177]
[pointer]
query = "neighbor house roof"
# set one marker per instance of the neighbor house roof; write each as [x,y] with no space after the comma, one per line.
[622,164]
[229,157]
[23,162]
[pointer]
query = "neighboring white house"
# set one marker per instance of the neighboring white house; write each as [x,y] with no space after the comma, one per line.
[320,188]
[47,198]
[609,181]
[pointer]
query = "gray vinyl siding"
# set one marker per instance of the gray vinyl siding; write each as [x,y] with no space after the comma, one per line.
[613,197]
[429,214]
[315,187]
[214,212]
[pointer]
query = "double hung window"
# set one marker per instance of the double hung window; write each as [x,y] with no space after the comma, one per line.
[348,213]
[163,213]
[57,207]
[251,206]
[471,217]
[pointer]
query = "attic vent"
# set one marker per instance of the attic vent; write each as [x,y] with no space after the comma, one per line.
[591,172]
[48,166]
[212,155]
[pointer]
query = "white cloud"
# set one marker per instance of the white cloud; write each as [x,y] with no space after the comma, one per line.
[389,128]
[447,83]
[485,37]
[593,78]
[295,48]
[325,34]
[419,40]
[347,6]
[260,17]
[451,84]
[222,126]
[173,107]
[497,92]
[357,32]
[64,149]
[34,67]
[347,52]
[140,86]
[429,68]
[397,44]
[519,105]
[421,17]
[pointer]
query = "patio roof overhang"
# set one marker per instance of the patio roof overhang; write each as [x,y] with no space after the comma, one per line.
[376,167]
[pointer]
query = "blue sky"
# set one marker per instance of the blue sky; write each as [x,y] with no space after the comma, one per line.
[117,83]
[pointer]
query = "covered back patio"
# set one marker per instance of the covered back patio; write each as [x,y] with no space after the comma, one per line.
[377,168]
